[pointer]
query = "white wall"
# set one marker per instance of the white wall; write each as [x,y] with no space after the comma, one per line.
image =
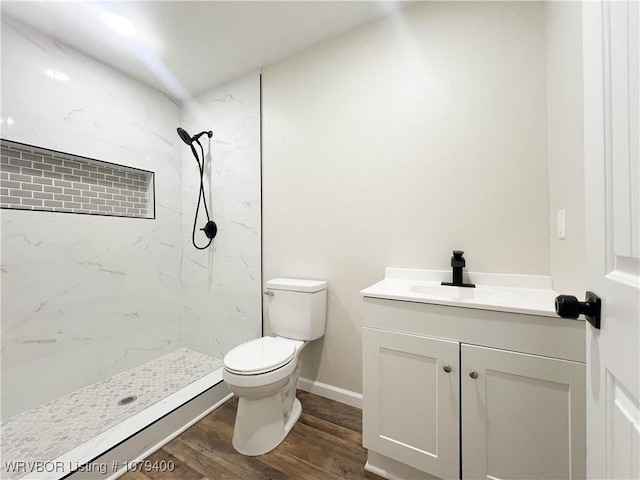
[223,296]
[85,297]
[565,144]
[397,142]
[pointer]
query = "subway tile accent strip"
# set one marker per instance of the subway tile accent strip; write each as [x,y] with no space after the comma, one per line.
[35,178]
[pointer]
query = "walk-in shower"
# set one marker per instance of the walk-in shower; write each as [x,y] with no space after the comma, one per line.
[210,229]
[99,308]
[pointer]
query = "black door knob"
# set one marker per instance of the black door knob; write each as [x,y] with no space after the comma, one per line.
[568,306]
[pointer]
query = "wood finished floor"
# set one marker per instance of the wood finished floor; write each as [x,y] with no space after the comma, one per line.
[325,443]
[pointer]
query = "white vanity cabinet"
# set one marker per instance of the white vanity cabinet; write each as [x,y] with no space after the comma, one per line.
[453,392]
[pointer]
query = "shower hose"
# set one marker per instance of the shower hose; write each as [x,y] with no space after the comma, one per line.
[210,229]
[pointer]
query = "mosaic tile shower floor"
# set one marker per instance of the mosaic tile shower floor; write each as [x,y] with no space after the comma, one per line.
[48,431]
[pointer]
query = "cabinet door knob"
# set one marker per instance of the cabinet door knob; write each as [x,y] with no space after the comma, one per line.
[447,368]
[473,374]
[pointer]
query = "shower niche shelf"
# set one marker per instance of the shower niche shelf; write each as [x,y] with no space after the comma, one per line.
[36,178]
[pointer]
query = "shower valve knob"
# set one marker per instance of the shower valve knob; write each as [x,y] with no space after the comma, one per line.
[210,229]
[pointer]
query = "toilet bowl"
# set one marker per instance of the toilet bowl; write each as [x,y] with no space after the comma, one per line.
[264,372]
[264,381]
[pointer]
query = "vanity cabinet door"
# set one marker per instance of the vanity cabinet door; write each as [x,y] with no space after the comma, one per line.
[411,401]
[523,416]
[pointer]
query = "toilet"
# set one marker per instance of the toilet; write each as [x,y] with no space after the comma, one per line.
[264,373]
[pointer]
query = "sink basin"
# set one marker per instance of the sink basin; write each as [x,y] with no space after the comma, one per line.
[529,294]
[478,294]
[483,295]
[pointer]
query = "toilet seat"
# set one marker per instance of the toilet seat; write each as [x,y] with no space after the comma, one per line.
[260,356]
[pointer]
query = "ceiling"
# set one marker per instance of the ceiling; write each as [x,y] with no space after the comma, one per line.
[183,48]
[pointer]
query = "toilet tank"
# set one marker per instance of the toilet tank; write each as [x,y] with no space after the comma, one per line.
[297,307]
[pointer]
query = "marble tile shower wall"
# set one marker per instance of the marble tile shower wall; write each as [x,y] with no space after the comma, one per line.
[86,296]
[222,285]
[33,178]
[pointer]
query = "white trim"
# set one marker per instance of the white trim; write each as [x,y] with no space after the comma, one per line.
[331,392]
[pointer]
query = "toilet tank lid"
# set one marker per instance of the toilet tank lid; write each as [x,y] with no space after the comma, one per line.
[296,285]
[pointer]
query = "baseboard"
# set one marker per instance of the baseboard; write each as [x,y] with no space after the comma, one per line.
[331,392]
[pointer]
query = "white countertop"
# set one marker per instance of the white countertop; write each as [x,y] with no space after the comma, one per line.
[527,294]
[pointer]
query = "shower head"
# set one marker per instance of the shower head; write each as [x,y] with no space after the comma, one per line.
[188,139]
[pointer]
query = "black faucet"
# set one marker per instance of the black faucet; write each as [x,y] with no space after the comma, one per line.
[458,263]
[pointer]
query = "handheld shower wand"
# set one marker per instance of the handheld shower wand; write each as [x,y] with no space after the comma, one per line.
[210,229]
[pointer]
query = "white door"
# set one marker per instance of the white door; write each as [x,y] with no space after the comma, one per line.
[611,106]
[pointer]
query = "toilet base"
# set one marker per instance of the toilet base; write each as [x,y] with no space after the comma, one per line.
[260,425]
[296,411]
